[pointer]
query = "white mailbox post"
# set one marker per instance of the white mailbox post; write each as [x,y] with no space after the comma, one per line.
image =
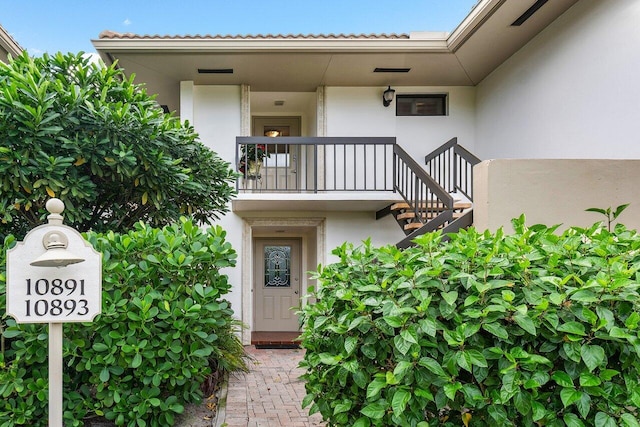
[54,276]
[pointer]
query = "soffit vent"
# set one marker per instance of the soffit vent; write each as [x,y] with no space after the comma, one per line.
[391,70]
[215,70]
[278,103]
[528,13]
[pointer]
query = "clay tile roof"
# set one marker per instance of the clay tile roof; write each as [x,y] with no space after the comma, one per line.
[130,36]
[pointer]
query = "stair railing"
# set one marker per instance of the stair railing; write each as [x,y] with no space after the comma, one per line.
[451,165]
[430,203]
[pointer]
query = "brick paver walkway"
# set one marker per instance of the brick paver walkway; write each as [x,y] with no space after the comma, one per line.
[270,394]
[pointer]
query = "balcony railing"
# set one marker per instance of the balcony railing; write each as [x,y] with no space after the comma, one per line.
[315,164]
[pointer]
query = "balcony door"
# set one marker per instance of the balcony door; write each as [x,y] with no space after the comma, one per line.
[282,165]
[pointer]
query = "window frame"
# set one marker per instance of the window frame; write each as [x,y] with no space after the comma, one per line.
[444,97]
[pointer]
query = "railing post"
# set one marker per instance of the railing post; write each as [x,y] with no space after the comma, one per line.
[416,194]
[455,171]
[315,168]
[395,170]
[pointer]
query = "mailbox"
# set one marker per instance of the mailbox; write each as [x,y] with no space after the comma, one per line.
[54,276]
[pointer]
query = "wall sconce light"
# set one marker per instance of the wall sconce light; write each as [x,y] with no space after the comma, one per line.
[387,96]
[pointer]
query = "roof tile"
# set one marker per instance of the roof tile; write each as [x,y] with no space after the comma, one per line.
[131,36]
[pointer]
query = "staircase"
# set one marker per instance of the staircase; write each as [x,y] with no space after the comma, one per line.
[438,196]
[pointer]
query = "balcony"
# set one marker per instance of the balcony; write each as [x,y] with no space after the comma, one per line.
[331,173]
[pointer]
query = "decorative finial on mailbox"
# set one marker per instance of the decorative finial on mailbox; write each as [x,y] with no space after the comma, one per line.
[55,208]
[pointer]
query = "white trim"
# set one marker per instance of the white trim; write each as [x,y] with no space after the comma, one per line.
[260,45]
[186,101]
[245,110]
[478,15]
[321,111]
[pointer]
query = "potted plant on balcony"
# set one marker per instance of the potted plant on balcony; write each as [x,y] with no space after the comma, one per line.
[251,160]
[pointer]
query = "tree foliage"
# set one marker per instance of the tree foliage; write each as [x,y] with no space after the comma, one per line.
[85,133]
[533,328]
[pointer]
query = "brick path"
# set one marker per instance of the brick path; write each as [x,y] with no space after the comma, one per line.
[270,394]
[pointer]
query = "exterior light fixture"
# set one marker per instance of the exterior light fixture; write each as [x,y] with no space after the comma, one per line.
[57,254]
[387,96]
[272,133]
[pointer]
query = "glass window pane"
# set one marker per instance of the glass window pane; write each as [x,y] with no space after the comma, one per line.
[277,266]
[421,105]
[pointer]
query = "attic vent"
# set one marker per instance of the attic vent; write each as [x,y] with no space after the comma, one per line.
[391,70]
[278,103]
[215,70]
[527,14]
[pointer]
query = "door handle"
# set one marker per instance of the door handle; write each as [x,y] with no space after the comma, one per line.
[296,292]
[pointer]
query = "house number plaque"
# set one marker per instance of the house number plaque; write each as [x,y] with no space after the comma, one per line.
[41,294]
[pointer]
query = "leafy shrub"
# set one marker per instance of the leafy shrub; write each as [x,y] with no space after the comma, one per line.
[85,133]
[164,323]
[534,328]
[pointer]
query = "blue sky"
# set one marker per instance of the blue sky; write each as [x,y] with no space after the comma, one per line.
[69,25]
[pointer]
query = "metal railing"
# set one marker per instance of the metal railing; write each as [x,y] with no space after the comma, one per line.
[451,165]
[426,199]
[313,164]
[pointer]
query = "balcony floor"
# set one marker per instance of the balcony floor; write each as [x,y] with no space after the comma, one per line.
[325,201]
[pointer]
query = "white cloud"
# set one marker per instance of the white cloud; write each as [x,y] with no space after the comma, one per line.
[93,57]
[34,51]
[126,22]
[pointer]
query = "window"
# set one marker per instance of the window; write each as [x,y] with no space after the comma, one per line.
[421,105]
[277,266]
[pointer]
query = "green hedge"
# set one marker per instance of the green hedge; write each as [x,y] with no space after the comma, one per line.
[164,326]
[534,328]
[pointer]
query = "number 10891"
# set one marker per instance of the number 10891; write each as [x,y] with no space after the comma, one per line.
[55,287]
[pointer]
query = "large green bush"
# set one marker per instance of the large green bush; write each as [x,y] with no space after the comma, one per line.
[87,134]
[536,328]
[164,326]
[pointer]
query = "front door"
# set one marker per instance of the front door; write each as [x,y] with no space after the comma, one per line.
[276,284]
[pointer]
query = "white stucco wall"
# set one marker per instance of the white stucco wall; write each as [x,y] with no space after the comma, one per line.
[355,227]
[216,118]
[572,92]
[342,226]
[554,191]
[358,111]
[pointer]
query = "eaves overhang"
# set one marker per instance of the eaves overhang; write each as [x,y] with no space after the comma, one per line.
[8,44]
[478,15]
[260,46]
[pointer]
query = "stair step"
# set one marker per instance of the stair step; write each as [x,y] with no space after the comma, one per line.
[425,215]
[417,224]
[431,206]
[413,226]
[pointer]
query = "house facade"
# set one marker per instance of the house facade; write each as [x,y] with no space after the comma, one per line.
[515,80]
